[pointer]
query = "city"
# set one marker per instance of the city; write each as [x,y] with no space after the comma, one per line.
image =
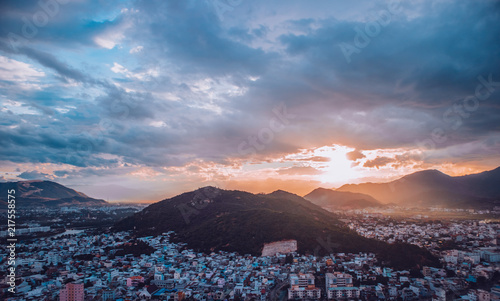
[119,266]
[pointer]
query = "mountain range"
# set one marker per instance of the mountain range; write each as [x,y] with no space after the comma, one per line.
[46,194]
[211,219]
[340,200]
[434,188]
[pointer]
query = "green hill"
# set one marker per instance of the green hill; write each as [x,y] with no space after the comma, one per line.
[211,219]
[331,199]
[46,194]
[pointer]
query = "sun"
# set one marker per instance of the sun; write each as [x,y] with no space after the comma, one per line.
[339,170]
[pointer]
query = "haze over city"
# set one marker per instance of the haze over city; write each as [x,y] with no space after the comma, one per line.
[142,100]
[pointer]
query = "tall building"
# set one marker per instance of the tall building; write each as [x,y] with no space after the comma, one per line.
[108,295]
[339,285]
[72,292]
[338,279]
[302,287]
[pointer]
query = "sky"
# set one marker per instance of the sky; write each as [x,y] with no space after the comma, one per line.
[142,100]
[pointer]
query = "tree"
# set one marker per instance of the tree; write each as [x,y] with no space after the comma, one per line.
[450,273]
[416,273]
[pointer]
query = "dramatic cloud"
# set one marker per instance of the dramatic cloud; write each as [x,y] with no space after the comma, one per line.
[378,162]
[34,175]
[299,170]
[355,155]
[116,90]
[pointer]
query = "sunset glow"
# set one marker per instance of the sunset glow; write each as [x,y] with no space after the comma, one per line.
[140,100]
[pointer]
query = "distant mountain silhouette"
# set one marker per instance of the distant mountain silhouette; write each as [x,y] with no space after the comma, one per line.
[434,188]
[331,199]
[46,194]
[211,219]
[485,184]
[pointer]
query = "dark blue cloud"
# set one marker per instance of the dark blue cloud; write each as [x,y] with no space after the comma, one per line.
[34,175]
[437,56]
[67,24]
[201,86]
[191,34]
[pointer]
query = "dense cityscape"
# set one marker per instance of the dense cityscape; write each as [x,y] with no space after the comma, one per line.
[92,264]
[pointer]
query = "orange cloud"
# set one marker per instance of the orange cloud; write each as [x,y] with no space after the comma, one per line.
[299,170]
[355,155]
[378,162]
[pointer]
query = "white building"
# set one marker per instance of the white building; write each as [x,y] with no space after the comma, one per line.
[302,287]
[339,285]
